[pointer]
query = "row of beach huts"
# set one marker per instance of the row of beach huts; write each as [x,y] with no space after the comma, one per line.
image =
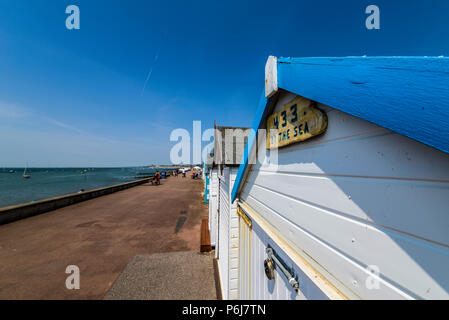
[340,189]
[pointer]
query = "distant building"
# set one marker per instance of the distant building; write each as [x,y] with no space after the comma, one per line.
[229,146]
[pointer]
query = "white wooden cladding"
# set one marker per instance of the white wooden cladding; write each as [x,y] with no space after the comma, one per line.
[271,76]
[223,248]
[360,195]
[254,285]
[213,206]
[228,236]
[245,241]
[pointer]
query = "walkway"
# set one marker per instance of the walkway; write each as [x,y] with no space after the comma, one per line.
[100,236]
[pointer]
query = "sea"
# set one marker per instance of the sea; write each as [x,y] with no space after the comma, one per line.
[51,182]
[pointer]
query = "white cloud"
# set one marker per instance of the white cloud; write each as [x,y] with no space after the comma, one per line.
[26,135]
[11,111]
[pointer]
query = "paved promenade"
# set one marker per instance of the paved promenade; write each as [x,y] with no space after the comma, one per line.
[100,236]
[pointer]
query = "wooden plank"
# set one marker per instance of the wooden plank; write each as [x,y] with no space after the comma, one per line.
[205,236]
[217,280]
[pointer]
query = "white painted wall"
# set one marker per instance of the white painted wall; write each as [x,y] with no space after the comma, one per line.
[245,241]
[254,285]
[361,195]
[234,242]
[223,237]
[228,236]
[213,206]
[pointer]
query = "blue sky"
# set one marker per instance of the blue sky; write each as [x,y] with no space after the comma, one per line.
[110,93]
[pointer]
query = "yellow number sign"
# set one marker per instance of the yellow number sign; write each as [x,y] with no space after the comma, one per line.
[297,121]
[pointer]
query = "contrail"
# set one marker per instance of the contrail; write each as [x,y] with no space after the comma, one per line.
[150,72]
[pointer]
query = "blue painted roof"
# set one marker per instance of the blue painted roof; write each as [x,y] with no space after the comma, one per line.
[408,95]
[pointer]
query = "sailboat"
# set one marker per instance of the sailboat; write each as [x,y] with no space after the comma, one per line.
[26,176]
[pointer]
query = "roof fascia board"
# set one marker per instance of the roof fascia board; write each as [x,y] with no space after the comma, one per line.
[408,95]
[271,76]
[262,109]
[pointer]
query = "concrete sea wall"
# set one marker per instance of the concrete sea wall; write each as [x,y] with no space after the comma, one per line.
[21,211]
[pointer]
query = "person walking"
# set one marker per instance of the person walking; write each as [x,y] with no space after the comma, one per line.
[157,178]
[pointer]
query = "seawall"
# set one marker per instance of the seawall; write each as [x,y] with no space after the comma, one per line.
[22,211]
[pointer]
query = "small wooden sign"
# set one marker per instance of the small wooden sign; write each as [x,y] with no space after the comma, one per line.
[297,121]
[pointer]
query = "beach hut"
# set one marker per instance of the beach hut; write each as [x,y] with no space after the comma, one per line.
[355,202]
[229,145]
[206,178]
[212,172]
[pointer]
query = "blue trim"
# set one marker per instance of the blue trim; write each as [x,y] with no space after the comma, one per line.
[408,95]
[261,113]
[206,189]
